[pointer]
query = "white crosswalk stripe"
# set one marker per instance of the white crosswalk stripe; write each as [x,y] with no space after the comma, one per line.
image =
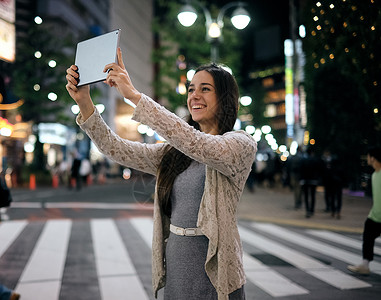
[269,280]
[342,240]
[42,275]
[145,228]
[309,243]
[116,272]
[117,275]
[309,265]
[9,232]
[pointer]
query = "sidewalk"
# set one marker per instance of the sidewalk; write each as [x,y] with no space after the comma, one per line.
[276,205]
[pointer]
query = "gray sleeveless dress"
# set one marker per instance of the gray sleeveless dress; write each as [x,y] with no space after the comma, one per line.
[186,255]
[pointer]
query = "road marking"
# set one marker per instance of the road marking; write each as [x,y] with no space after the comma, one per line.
[9,231]
[83,205]
[41,278]
[309,265]
[341,239]
[44,194]
[26,205]
[144,226]
[315,245]
[116,273]
[269,280]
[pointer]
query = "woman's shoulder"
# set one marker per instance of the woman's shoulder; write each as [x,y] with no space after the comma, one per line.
[241,134]
[242,141]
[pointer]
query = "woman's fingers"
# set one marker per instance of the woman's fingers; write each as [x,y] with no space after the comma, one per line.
[120,58]
[72,74]
[110,67]
[115,66]
[72,87]
[73,70]
[71,79]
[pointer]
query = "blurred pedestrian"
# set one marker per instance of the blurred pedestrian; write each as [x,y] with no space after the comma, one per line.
[333,181]
[8,294]
[5,197]
[63,172]
[310,174]
[75,177]
[372,226]
[294,164]
[201,173]
[85,170]
[100,171]
[251,179]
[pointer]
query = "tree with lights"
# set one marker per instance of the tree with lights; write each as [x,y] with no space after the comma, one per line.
[343,48]
[38,78]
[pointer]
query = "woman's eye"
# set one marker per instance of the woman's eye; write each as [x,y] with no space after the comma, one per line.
[205,89]
[190,91]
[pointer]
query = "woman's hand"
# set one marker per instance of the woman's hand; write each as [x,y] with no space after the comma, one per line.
[77,93]
[81,95]
[118,77]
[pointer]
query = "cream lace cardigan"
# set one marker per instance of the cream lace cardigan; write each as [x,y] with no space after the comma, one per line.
[228,159]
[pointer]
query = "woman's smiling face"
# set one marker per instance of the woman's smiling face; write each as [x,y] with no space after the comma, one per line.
[202,102]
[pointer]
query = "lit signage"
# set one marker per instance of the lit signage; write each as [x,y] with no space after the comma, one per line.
[7,30]
[52,133]
[5,127]
[289,100]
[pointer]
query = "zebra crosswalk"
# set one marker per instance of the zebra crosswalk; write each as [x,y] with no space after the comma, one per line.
[111,259]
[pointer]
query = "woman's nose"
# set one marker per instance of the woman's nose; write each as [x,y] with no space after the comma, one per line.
[194,94]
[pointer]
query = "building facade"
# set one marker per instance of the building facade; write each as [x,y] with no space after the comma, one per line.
[82,19]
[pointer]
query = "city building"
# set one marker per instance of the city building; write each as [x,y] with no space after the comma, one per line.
[81,19]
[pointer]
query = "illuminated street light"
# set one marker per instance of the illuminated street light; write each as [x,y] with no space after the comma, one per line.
[245,100]
[214,30]
[75,109]
[266,129]
[52,96]
[187,16]
[250,129]
[100,107]
[240,19]
[52,63]
[190,74]
[38,20]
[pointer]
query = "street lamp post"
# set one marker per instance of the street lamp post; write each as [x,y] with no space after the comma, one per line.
[240,19]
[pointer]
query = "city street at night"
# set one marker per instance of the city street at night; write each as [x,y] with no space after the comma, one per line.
[190,150]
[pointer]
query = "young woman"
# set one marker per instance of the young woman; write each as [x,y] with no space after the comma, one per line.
[201,172]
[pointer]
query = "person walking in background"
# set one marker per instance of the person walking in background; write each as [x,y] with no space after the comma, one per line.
[372,226]
[333,181]
[310,173]
[75,177]
[201,172]
[294,169]
[8,294]
[85,171]
[251,179]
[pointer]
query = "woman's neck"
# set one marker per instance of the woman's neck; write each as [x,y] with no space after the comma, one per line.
[209,130]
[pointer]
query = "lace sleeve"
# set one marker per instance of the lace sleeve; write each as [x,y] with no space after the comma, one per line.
[231,153]
[136,155]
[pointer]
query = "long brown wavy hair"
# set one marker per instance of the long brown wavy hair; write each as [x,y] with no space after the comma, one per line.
[174,162]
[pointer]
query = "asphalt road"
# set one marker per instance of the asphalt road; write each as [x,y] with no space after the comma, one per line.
[283,260]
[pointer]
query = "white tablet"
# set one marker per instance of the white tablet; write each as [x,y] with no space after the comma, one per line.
[93,54]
